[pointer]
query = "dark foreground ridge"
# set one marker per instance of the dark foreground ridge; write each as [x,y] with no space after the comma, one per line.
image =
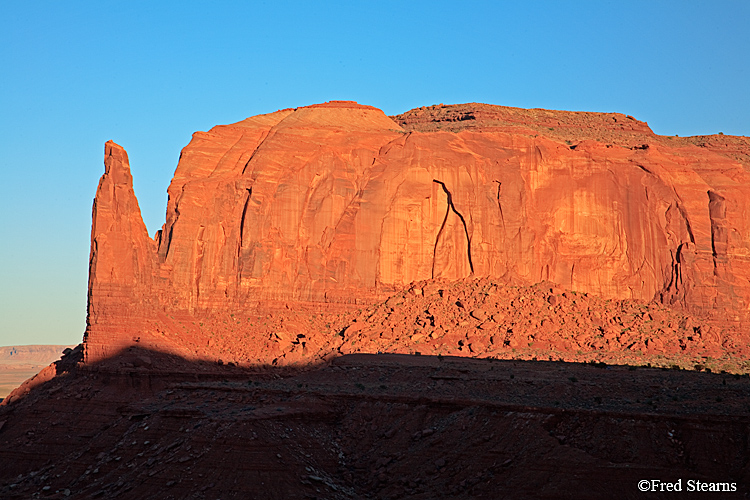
[236,354]
[369,426]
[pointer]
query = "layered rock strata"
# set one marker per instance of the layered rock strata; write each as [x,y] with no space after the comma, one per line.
[340,204]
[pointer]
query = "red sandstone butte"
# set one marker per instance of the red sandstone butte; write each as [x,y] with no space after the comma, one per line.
[339,204]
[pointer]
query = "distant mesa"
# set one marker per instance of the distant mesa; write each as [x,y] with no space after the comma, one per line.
[18,363]
[31,354]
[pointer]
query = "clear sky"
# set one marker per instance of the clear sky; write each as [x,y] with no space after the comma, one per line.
[148,74]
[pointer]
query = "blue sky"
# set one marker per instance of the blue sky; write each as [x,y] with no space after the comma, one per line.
[149,74]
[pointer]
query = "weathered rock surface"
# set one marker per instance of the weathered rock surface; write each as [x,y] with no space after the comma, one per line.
[125,305]
[122,264]
[339,204]
[232,356]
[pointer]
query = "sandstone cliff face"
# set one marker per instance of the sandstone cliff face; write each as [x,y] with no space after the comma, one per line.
[338,203]
[123,299]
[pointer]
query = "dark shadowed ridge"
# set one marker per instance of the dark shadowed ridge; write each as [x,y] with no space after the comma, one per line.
[145,424]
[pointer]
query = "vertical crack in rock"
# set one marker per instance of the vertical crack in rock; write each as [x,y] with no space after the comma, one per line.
[168,243]
[244,214]
[689,228]
[440,232]
[499,206]
[451,206]
[240,243]
[169,227]
[572,271]
[717,212]
[672,276]
[198,263]
[254,153]
[678,265]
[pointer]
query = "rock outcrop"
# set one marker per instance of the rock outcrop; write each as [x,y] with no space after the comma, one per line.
[123,299]
[339,204]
